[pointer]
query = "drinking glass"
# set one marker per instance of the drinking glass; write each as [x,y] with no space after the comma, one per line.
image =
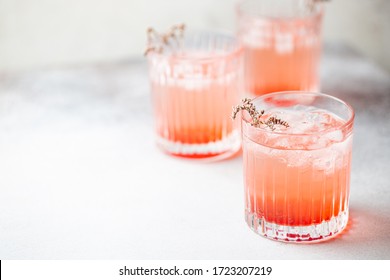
[297,177]
[194,88]
[282,44]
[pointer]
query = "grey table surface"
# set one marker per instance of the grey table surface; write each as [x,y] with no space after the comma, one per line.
[81,177]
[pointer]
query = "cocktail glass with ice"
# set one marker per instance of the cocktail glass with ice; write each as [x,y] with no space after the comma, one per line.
[194,87]
[282,44]
[297,177]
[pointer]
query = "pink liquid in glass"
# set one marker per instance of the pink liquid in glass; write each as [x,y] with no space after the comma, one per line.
[297,178]
[282,52]
[193,94]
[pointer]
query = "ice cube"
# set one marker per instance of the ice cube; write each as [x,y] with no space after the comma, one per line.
[325,162]
[303,108]
[335,136]
[281,142]
[284,42]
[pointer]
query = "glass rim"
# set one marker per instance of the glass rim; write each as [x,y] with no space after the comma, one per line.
[208,57]
[240,10]
[347,123]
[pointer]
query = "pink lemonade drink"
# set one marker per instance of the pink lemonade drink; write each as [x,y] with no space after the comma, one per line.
[297,177]
[282,45]
[193,92]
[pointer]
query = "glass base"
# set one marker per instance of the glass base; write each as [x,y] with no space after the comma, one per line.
[298,234]
[218,149]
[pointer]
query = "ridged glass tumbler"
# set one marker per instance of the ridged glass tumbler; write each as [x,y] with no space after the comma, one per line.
[282,44]
[194,88]
[297,178]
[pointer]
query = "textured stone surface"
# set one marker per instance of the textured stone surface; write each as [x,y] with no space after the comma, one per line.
[80,176]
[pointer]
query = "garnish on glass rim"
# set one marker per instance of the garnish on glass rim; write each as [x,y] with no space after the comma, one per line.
[248,106]
[311,3]
[158,42]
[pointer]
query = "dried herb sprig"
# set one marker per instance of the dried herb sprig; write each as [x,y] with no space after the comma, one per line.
[158,42]
[255,115]
[311,3]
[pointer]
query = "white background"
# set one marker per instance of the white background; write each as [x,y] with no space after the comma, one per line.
[39,33]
